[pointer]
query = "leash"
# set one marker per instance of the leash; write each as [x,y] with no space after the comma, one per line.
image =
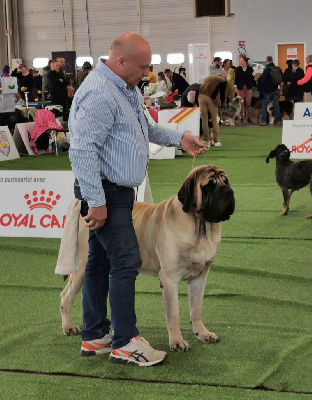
[194,157]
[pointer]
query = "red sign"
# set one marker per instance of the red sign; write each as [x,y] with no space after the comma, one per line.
[241,44]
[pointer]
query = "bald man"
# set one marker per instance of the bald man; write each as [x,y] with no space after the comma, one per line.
[110,135]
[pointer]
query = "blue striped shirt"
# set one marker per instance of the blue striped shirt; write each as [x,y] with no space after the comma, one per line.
[110,134]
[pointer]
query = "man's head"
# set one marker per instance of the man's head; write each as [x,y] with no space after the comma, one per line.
[216,62]
[61,60]
[87,65]
[150,68]
[223,74]
[168,73]
[295,64]
[269,60]
[55,66]
[130,57]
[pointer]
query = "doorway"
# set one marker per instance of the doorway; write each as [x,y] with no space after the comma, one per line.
[285,51]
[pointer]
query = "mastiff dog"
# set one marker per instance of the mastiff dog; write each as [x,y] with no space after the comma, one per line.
[178,239]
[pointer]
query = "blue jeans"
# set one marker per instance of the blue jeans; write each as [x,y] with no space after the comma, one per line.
[112,268]
[265,101]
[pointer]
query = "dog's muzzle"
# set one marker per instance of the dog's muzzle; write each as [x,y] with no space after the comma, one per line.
[220,205]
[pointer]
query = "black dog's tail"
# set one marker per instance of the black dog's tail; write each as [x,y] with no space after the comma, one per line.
[271,155]
[311,186]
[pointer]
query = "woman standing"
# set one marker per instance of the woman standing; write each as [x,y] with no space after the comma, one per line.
[291,76]
[230,89]
[308,75]
[244,81]
[25,81]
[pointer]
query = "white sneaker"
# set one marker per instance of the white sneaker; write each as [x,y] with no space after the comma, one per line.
[218,144]
[97,346]
[137,352]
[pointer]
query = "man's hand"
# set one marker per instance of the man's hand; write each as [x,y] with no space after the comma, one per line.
[191,144]
[96,217]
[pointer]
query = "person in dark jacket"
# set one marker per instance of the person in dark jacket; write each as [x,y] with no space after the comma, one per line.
[178,82]
[290,78]
[185,95]
[56,86]
[244,81]
[24,80]
[270,92]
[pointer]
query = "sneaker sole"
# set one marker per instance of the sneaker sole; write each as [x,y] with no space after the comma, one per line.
[126,360]
[88,353]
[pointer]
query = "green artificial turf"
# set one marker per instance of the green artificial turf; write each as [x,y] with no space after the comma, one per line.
[257,299]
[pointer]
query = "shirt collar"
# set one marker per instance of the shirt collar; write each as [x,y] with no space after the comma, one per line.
[110,74]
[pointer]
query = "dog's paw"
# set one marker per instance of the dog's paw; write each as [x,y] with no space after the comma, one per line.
[179,345]
[71,330]
[207,337]
[309,216]
[284,212]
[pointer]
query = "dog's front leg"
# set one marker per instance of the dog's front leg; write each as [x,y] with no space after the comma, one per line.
[286,194]
[68,296]
[196,288]
[170,291]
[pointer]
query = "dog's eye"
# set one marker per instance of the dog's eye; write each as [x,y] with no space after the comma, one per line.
[210,185]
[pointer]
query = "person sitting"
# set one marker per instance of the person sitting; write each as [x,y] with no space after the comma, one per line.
[18,100]
[161,84]
[5,73]
[178,82]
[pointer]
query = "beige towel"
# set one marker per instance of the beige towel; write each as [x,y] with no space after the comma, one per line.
[68,257]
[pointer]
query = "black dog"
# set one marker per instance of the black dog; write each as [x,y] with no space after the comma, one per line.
[290,176]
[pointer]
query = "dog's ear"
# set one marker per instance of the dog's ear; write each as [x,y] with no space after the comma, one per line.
[187,192]
[271,155]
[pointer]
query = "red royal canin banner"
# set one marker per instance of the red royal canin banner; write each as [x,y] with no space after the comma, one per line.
[34,203]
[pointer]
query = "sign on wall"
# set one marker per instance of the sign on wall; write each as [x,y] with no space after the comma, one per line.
[8,149]
[297,136]
[303,111]
[34,203]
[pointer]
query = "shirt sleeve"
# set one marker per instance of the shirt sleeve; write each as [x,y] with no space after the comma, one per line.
[167,137]
[306,78]
[91,120]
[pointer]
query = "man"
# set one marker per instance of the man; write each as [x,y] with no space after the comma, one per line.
[56,86]
[151,75]
[215,67]
[210,97]
[110,134]
[178,82]
[82,74]
[270,92]
[190,95]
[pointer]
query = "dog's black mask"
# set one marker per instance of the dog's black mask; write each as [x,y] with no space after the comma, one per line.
[281,152]
[207,195]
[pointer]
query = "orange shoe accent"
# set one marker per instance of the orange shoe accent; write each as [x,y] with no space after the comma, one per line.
[102,344]
[88,346]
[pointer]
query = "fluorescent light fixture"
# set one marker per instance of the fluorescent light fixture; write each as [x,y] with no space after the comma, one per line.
[156,59]
[81,60]
[40,62]
[175,58]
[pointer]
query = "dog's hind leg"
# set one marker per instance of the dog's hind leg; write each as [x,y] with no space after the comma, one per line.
[196,288]
[286,194]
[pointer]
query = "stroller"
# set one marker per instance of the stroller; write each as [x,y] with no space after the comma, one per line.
[44,125]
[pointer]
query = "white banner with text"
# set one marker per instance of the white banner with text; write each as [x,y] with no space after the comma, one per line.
[297,136]
[34,203]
